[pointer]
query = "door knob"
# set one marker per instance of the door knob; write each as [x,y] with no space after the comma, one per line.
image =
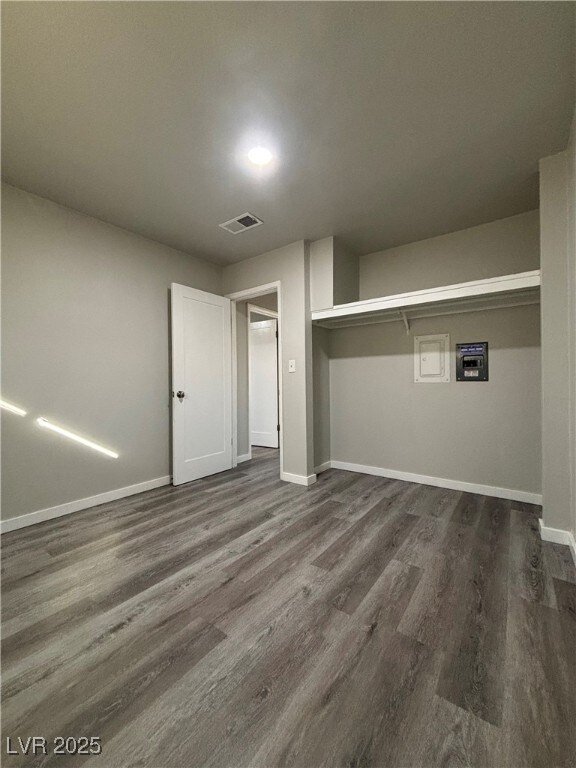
[180,395]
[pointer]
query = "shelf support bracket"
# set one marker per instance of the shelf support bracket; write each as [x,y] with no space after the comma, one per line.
[406,322]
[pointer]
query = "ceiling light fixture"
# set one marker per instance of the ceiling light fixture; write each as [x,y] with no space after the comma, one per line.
[260,156]
[12,408]
[70,435]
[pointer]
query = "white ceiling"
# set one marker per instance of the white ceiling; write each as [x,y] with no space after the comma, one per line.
[392,122]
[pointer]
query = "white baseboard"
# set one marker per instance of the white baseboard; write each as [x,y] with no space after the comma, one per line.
[559,536]
[323,467]
[440,482]
[244,457]
[298,479]
[50,513]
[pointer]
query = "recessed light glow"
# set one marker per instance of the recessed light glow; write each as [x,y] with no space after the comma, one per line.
[260,156]
[71,436]
[12,408]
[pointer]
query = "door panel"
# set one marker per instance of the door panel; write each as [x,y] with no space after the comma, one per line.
[264,384]
[201,369]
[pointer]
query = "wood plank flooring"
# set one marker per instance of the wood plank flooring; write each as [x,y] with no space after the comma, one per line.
[243,621]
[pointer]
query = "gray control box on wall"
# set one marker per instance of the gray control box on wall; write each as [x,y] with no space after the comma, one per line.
[472,361]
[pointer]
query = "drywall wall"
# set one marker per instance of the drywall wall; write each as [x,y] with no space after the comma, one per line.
[484,432]
[334,274]
[258,317]
[571,200]
[268,301]
[571,318]
[321,374]
[498,248]
[322,273]
[557,342]
[84,343]
[290,266]
[346,274]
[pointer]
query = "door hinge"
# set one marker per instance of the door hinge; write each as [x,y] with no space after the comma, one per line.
[277,427]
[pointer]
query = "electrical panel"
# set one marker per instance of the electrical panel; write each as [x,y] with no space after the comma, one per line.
[472,361]
[432,359]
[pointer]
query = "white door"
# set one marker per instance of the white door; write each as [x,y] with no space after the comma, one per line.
[201,384]
[263,384]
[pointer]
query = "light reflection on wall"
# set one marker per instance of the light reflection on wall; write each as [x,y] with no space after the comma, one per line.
[12,408]
[45,424]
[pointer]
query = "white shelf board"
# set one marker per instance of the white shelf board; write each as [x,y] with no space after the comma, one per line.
[491,293]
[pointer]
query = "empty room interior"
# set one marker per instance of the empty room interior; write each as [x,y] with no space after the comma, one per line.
[288,384]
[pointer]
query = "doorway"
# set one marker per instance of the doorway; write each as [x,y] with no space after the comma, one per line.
[268,300]
[210,381]
[263,394]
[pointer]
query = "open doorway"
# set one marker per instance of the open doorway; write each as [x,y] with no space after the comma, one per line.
[257,376]
[263,393]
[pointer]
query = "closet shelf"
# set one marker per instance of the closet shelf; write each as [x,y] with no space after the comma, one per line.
[492,293]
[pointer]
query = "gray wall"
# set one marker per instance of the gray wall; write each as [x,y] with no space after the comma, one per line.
[322,273]
[85,344]
[485,433]
[571,195]
[334,274]
[268,301]
[558,340]
[321,373]
[289,265]
[498,248]
[346,274]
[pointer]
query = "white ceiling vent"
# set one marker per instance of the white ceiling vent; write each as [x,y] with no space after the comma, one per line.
[241,223]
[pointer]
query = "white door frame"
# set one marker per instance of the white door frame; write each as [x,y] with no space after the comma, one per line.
[262,311]
[273,316]
[253,293]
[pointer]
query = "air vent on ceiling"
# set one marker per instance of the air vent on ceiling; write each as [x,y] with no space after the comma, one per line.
[241,223]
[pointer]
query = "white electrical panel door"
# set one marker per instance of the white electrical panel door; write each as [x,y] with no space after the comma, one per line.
[432,358]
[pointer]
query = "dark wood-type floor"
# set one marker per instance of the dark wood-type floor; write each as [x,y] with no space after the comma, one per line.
[243,621]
